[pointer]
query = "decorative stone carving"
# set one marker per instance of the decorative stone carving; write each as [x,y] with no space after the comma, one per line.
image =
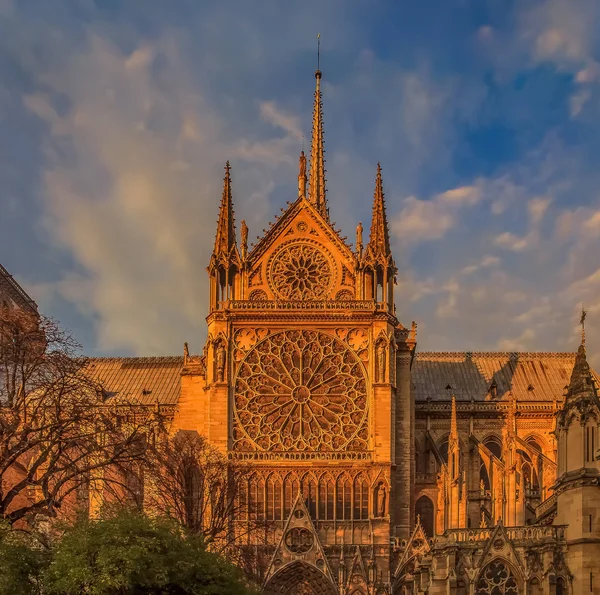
[301,271]
[258,295]
[380,499]
[221,360]
[301,391]
[380,360]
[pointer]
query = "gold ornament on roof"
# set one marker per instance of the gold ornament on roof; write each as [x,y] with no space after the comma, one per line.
[301,391]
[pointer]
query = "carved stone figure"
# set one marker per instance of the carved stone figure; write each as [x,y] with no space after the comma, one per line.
[302,164]
[381,499]
[381,351]
[186,353]
[221,359]
[359,238]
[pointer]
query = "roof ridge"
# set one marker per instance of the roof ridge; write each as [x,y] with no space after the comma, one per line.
[481,354]
[145,358]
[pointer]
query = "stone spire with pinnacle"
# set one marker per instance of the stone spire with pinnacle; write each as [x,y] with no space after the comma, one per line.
[378,247]
[225,241]
[316,180]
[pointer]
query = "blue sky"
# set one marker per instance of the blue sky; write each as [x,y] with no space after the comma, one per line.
[116,119]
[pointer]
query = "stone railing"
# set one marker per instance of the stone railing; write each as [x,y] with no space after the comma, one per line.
[545,506]
[533,533]
[300,305]
[301,456]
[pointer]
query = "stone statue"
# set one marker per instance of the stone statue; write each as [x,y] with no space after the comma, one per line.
[221,358]
[381,500]
[186,353]
[380,350]
[244,238]
[302,164]
[359,238]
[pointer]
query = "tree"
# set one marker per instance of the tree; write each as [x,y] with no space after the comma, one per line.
[58,436]
[23,560]
[130,553]
[190,481]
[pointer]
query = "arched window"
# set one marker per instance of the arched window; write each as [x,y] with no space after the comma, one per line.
[256,498]
[424,509]
[496,579]
[273,502]
[343,506]
[361,497]
[443,449]
[309,489]
[494,445]
[326,495]
[191,484]
[561,588]
[291,487]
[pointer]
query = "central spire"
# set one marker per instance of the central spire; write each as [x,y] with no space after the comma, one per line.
[316,181]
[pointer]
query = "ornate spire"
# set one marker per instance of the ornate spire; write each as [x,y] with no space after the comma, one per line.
[582,382]
[316,180]
[379,240]
[225,238]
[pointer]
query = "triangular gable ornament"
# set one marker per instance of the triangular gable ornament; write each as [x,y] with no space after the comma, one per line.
[417,545]
[299,542]
[499,545]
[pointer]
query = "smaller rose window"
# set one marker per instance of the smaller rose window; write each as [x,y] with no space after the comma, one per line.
[299,540]
[301,272]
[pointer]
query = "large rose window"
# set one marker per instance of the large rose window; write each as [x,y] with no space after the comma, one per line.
[300,391]
[301,272]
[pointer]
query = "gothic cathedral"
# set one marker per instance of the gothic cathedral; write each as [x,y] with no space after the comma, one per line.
[374,468]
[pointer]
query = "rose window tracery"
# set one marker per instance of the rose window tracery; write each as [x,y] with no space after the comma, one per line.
[300,391]
[301,272]
[496,579]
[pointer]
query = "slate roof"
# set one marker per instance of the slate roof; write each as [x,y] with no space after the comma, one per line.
[143,380]
[529,376]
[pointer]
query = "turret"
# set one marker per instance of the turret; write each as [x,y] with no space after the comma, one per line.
[578,485]
[225,262]
[378,271]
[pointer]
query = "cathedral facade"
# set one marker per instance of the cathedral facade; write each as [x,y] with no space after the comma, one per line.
[376,468]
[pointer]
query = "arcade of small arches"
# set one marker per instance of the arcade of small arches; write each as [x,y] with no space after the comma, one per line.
[328,497]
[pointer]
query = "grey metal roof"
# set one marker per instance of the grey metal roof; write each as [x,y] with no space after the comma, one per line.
[528,376]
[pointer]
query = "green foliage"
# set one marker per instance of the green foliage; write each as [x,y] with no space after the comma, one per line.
[131,554]
[21,563]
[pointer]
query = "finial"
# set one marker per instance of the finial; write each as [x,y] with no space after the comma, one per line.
[582,323]
[318,72]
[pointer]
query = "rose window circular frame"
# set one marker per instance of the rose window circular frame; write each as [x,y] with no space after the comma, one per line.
[301,271]
[301,390]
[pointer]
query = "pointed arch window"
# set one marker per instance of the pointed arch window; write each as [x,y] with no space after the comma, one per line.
[361,497]
[291,488]
[273,500]
[343,507]
[309,490]
[326,497]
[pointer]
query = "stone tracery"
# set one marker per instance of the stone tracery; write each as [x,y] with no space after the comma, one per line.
[301,271]
[298,391]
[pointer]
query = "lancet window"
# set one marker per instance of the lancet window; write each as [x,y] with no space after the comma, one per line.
[325,497]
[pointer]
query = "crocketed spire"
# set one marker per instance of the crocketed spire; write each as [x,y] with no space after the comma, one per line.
[379,240]
[316,180]
[225,240]
[582,382]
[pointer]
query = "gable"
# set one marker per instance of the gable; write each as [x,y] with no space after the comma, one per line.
[301,258]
